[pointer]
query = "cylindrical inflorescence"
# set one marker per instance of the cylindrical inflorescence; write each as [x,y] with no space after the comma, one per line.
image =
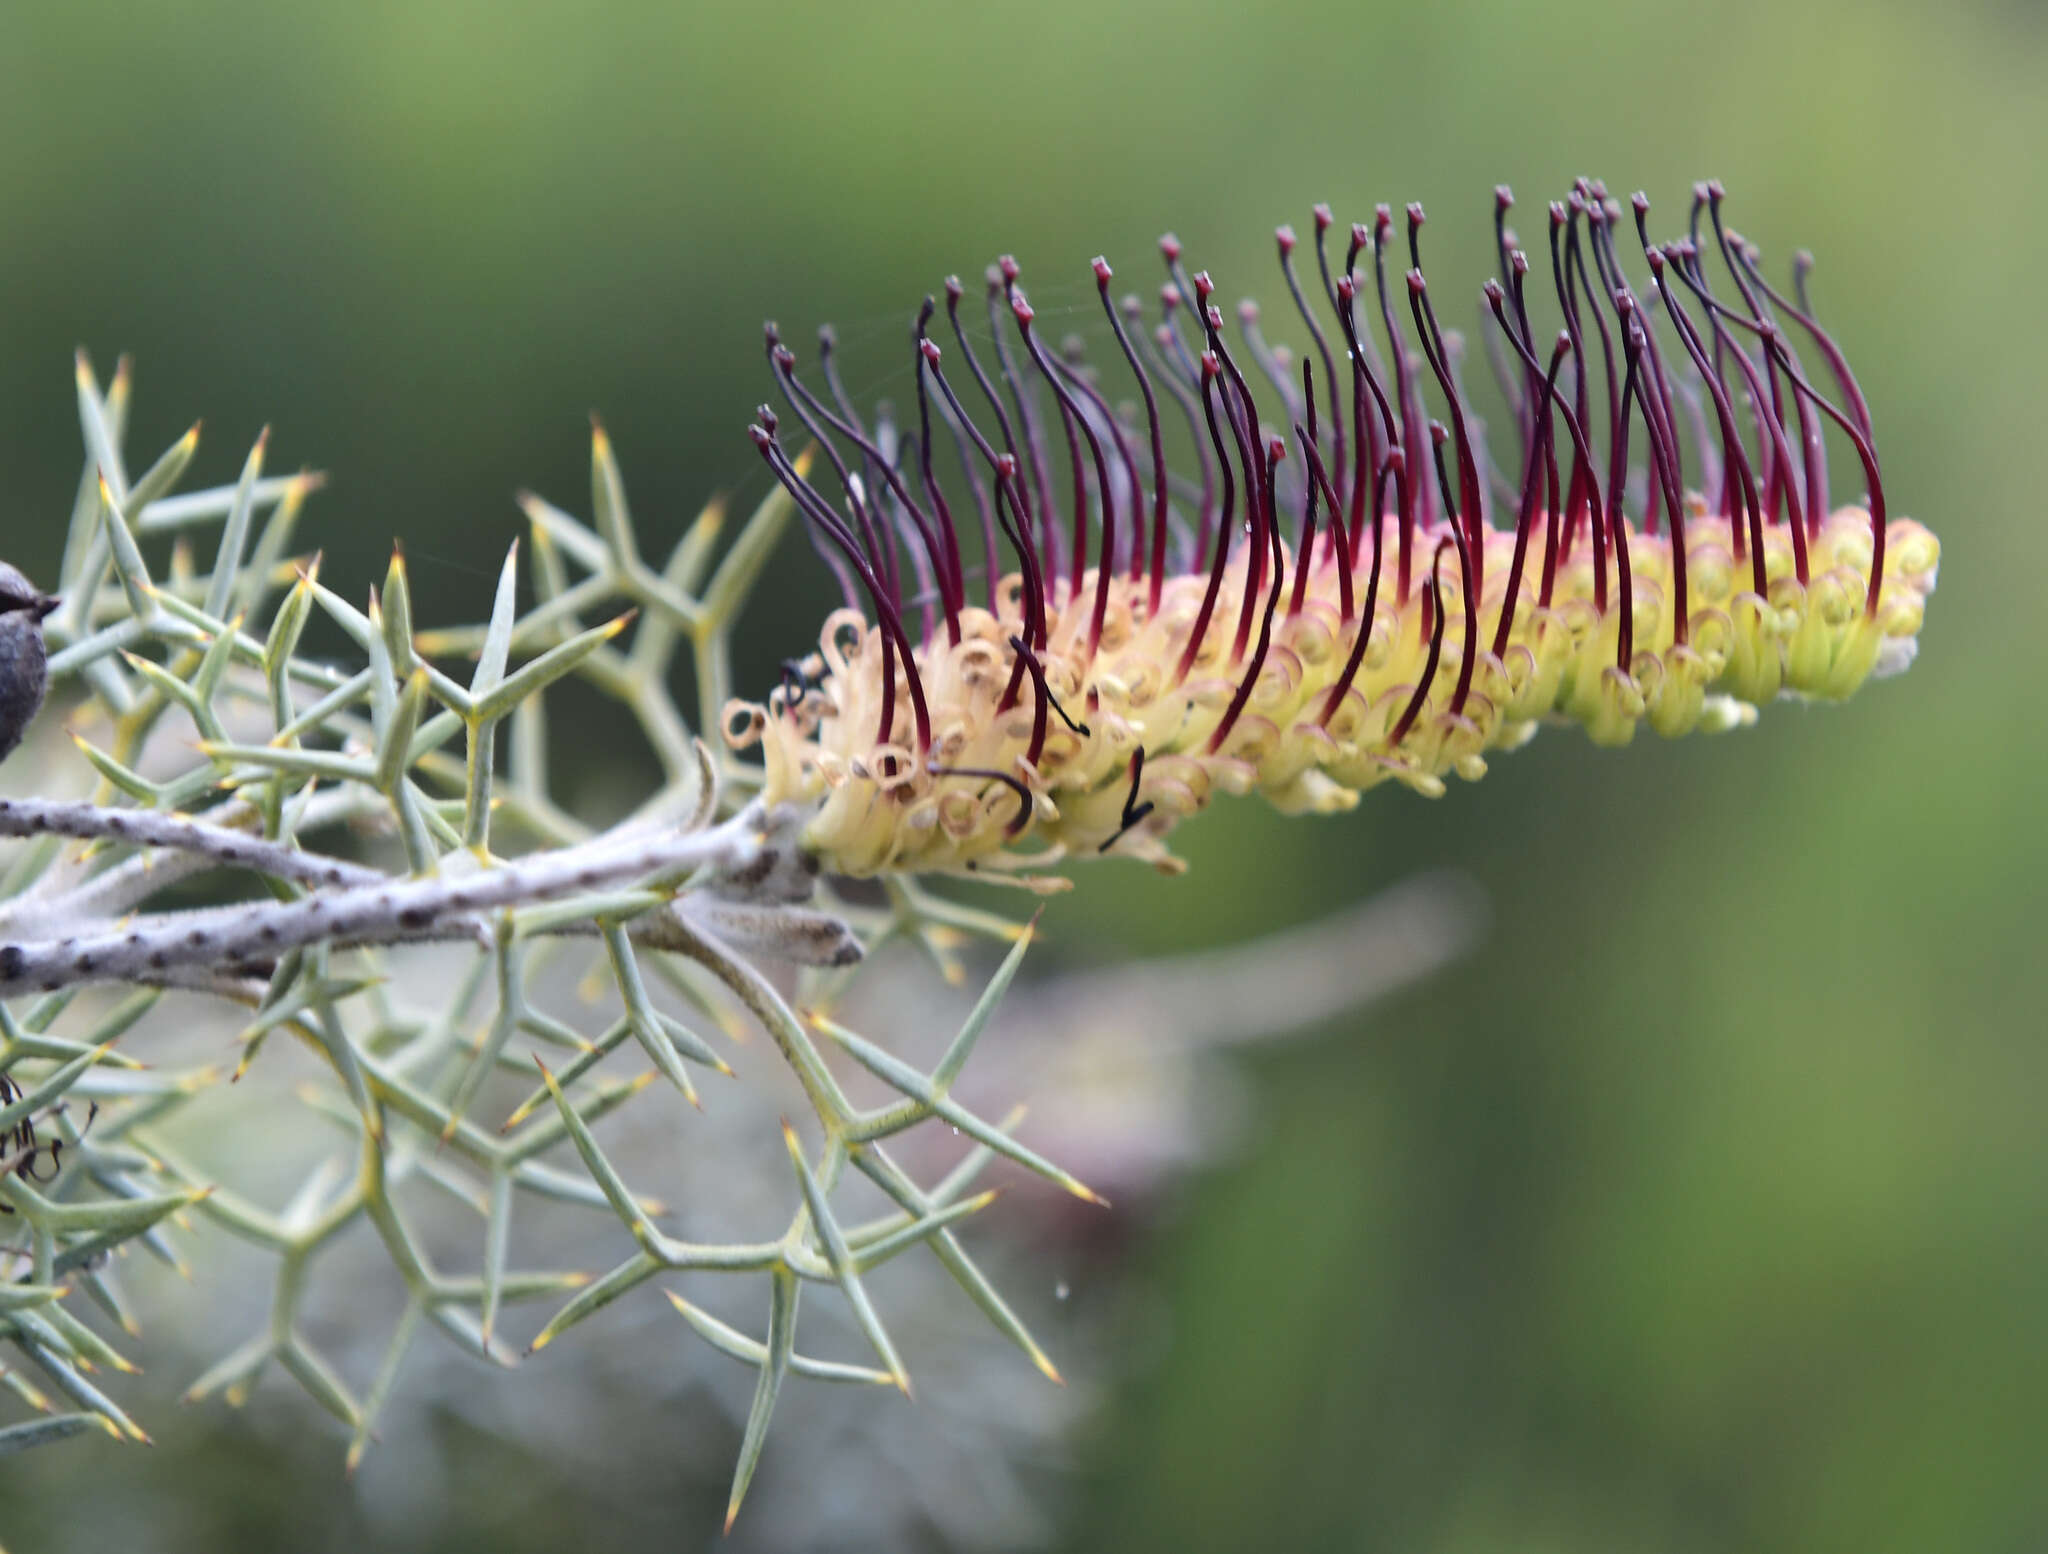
[1344,589]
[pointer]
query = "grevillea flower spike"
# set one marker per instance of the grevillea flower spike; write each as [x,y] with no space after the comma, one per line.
[1345,589]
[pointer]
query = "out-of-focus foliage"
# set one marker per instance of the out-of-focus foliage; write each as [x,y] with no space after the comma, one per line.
[1703,1210]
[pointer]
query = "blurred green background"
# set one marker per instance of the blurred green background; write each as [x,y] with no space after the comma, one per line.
[1705,1209]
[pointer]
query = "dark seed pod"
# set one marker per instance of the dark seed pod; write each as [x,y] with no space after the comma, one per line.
[24,664]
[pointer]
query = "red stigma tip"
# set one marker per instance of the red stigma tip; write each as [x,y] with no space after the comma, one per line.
[1503,196]
[1493,291]
[1276,449]
[1102,270]
[1169,296]
[1382,218]
[953,288]
[761,435]
[1210,368]
[931,351]
[1006,465]
[1416,284]
[1415,215]
[1203,285]
[1169,245]
[1008,267]
[1323,217]
[1022,309]
[1347,287]
[1284,236]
